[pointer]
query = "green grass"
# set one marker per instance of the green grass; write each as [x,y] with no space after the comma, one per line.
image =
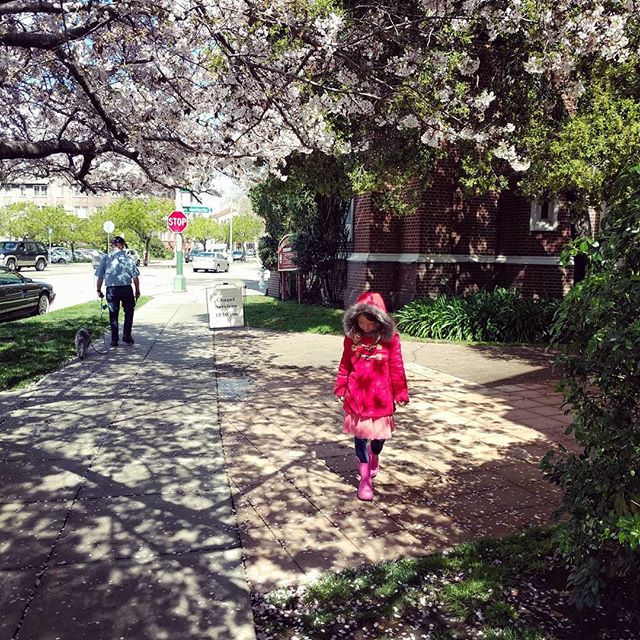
[277,315]
[263,312]
[452,595]
[32,347]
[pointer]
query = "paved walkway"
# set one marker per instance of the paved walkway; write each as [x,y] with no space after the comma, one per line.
[117,491]
[462,464]
[115,513]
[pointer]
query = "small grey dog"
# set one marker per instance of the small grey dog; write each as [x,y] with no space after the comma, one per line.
[82,341]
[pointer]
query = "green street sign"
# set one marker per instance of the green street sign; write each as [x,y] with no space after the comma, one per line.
[195,209]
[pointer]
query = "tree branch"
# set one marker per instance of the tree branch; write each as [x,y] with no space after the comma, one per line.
[50,41]
[11,8]
[79,78]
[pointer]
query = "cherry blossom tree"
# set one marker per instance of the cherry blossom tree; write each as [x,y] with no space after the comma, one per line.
[116,94]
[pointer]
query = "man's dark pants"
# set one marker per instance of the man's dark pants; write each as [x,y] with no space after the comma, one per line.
[116,296]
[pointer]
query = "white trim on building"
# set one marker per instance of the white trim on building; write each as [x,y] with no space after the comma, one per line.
[452,258]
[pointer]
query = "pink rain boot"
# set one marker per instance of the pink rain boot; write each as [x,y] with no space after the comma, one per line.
[365,488]
[374,463]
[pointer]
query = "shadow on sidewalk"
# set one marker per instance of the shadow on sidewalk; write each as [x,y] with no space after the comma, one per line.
[114,501]
[462,463]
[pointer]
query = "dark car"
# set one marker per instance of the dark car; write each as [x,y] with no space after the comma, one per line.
[190,255]
[21,296]
[16,254]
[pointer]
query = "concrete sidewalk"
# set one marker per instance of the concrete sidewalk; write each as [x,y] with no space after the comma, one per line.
[115,513]
[462,463]
[117,491]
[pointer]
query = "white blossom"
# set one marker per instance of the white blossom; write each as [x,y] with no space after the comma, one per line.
[484,99]
[509,153]
[409,122]
[171,91]
[468,66]
[534,66]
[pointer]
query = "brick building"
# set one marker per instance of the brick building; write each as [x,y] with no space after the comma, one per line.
[457,245]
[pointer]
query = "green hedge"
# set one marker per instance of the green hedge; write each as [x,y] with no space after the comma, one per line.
[502,315]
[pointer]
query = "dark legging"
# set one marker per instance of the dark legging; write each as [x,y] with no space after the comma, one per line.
[362,451]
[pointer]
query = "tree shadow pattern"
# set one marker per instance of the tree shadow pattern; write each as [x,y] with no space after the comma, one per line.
[461,465]
[115,511]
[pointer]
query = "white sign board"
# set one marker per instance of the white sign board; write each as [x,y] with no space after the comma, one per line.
[108,226]
[225,306]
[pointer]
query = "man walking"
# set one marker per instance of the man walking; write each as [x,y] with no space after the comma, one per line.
[118,271]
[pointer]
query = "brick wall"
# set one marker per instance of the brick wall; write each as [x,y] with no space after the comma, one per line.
[452,224]
[448,224]
[535,280]
[514,237]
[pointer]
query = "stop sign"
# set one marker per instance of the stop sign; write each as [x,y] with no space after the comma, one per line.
[177,222]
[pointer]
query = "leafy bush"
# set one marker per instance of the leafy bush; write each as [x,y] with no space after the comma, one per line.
[502,315]
[598,330]
[158,250]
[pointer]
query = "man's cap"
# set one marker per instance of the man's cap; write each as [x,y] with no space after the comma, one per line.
[117,240]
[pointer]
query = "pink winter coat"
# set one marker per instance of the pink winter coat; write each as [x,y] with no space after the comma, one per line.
[371,375]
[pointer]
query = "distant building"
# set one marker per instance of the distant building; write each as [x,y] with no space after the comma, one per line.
[54,193]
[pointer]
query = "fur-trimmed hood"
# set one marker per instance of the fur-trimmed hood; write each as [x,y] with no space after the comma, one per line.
[372,303]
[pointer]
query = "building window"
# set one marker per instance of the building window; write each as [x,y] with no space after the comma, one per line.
[81,212]
[544,215]
[40,190]
[603,215]
[23,189]
[348,223]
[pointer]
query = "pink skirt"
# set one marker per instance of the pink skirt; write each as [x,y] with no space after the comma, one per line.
[369,428]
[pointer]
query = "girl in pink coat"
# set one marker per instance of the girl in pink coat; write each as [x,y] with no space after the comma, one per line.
[370,382]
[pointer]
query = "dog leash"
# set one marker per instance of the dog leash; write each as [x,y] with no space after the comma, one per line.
[103,306]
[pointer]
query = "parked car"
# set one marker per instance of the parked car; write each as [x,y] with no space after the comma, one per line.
[238,255]
[18,254]
[97,258]
[82,255]
[23,296]
[191,254]
[210,261]
[60,255]
[133,254]
[251,253]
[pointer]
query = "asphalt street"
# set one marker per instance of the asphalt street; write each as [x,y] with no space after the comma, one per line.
[75,283]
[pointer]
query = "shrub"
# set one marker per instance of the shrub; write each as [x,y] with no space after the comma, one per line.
[158,250]
[598,330]
[502,315]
